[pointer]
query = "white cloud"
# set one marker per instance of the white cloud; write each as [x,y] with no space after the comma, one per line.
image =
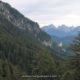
[49,11]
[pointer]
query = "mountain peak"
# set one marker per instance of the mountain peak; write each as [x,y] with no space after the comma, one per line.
[63,26]
[51,25]
[63,34]
[62,31]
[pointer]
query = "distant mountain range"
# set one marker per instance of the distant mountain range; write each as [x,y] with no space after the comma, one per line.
[63,33]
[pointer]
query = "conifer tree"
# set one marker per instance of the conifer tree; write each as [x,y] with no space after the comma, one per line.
[75,61]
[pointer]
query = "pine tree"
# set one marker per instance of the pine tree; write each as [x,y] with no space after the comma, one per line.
[75,61]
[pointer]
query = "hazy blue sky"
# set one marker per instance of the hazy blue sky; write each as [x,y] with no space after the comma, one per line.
[46,12]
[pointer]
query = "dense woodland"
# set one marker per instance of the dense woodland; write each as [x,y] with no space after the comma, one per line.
[34,60]
[23,54]
[23,50]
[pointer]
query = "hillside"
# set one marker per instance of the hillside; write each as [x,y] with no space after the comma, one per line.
[24,44]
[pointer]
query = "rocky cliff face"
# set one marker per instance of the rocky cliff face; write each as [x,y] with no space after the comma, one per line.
[17,19]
